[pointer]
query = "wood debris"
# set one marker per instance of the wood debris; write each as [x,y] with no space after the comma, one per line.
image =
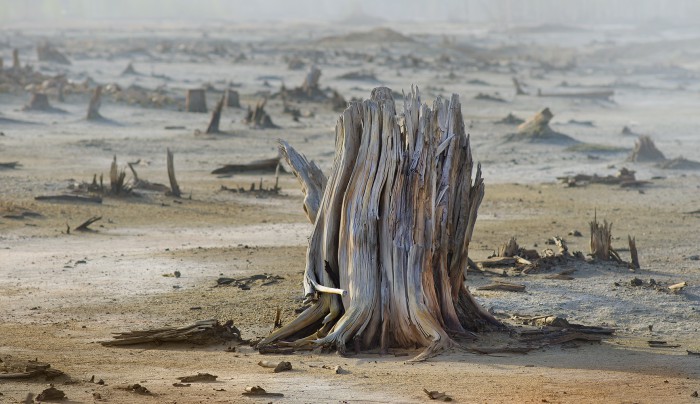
[202,332]
[247,282]
[258,118]
[624,178]
[196,100]
[85,225]
[436,395]
[69,198]
[198,378]
[213,127]
[174,187]
[11,368]
[256,166]
[51,394]
[503,286]
[259,392]
[277,366]
[662,344]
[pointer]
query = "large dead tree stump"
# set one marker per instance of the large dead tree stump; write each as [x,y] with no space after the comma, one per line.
[386,261]
[645,150]
[196,100]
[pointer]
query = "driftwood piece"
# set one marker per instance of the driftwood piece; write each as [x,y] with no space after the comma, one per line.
[85,226]
[503,286]
[12,369]
[139,183]
[198,378]
[174,187]
[393,231]
[436,395]
[312,180]
[51,394]
[232,98]
[257,166]
[509,249]
[69,198]
[93,112]
[202,332]
[117,179]
[623,178]
[645,150]
[45,52]
[216,117]
[257,391]
[277,366]
[537,129]
[10,165]
[195,100]
[676,287]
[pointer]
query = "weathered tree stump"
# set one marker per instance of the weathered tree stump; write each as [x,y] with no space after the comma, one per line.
[39,102]
[537,129]
[310,84]
[129,70]
[174,187]
[645,150]
[216,117]
[387,257]
[93,112]
[196,100]
[258,117]
[518,88]
[232,98]
[16,66]
[45,52]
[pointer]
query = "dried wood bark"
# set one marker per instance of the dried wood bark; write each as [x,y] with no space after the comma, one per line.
[174,188]
[312,180]
[195,100]
[387,257]
[201,332]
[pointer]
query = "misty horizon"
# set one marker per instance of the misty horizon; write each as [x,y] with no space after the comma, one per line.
[509,12]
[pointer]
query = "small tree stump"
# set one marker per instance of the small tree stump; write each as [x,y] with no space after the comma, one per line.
[174,187]
[232,98]
[536,129]
[310,84]
[196,101]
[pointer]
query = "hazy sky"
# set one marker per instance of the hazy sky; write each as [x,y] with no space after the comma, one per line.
[501,11]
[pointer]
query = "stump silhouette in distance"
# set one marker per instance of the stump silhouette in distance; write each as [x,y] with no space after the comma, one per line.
[645,150]
[232,98]
[216,117]
[45,52]
[386,260]
[93,112]
[38,102]
[196,100]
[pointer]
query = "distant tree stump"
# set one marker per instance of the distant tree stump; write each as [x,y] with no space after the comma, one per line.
[258,117]
[39,102]
[645,150]
[232,98]
[310,84]
[386,260]
[196,100]
[93,112]
[16,66]
[45,52]
[216,117]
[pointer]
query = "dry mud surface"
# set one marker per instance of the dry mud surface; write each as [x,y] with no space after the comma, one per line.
[61,294]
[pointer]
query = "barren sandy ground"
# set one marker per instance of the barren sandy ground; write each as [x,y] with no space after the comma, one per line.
[60,294]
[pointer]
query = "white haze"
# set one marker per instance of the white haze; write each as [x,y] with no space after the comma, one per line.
[507,12]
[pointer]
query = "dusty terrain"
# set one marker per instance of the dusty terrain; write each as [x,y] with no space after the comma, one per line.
[60,294]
